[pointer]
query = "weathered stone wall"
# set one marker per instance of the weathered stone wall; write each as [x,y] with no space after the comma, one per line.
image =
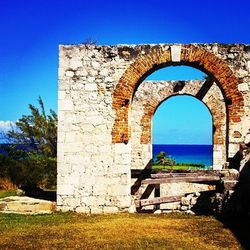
[95,94]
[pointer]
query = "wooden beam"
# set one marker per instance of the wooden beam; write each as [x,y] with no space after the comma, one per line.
[193,174]
[160,200]
[197,179]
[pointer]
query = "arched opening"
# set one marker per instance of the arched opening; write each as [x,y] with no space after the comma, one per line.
[182,129]
[154,90]
[163,56]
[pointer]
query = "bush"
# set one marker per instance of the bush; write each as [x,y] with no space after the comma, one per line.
[198,165]
[30,158]
[164,160]
[6,184]
[33,170]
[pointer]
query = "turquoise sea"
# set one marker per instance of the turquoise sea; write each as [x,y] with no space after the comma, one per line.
[187,153]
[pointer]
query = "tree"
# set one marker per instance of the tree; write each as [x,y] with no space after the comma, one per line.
[164,160]
[30,159]
[37,131]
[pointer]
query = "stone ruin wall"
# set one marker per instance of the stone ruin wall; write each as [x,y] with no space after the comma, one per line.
[94,152]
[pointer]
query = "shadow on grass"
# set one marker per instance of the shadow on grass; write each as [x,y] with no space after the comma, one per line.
[240,227]
[236,213]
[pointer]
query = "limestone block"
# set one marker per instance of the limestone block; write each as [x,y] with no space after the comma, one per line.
[61,137]
[88,201]
[91,148]
[74,64]
[121,148]
[232,149]
[118,190]
[124,201]
[69,73]
[122,159]
[61,94]
[96,65]
[119,170]
[73,147]
[248,65]
[100,187]
[64,170]
[185,201]
[64,209]
[104,72]
[94,120]
[90,87]
[96,210]
[170,206]
[247,138]
[190,212]
[175,53]
[104,149]
[243,87]
[59,200]
[229,184]
[65,189]
[184,208]
[65,105]
[85,210]
[108,210]
[24,204]
[194,200]
[217,166]
[82,72]
[71,201]
[157,211]
[132,209]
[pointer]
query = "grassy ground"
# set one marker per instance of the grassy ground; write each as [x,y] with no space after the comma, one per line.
[4,193]
[175,167]
[121,231]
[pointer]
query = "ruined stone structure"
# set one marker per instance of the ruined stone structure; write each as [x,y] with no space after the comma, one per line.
[105,112]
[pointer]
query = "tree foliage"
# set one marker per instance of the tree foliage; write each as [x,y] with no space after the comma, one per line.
[38,131]
[163,159]
[30,158]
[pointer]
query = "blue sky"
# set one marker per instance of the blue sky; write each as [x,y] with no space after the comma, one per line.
[182,119]
[32,30]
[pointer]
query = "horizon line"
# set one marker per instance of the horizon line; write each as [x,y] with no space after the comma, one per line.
[180,144]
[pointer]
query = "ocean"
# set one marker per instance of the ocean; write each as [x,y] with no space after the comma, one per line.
[187,153]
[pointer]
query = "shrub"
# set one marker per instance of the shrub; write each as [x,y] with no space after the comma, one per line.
[164,160]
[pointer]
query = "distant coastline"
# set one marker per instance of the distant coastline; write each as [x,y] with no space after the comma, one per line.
[192,153]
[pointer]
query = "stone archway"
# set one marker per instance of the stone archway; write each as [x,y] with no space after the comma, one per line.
[151,94]
[160,57]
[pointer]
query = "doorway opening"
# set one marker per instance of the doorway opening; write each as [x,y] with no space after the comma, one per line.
[182,134]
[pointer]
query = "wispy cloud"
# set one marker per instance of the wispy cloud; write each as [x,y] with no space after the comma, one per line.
[6,126]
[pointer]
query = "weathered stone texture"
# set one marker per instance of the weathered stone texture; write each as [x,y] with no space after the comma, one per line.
[97,93]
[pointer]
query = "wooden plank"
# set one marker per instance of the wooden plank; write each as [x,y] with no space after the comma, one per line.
[191,174]
[197,179]
[160,200]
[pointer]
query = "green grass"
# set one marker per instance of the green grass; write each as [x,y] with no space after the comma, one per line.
[4,193]
[119,231]
[175,167]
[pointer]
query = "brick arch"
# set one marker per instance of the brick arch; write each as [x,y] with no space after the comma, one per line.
[159,57]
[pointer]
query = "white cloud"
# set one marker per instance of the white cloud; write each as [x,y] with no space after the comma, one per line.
[6,126]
